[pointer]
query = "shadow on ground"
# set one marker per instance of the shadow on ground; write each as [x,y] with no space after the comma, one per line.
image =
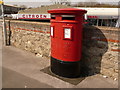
[73,81]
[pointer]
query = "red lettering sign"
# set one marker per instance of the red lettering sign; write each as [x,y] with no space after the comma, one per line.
[37,16]
[44,16]
[92,16]
[33,16]
[29,16]
[40,16]
[23,16]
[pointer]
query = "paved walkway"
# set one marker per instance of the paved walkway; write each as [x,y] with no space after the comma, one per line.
[21,69]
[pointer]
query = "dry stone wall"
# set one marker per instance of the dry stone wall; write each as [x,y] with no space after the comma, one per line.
[99,52]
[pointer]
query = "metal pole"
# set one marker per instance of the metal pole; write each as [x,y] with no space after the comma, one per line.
[102,22]
[97,21]
[4,25]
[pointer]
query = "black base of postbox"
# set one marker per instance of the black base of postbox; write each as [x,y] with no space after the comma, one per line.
[65,69]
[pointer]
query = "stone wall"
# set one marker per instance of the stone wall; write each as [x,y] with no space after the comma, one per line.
[33,37]
[99,51]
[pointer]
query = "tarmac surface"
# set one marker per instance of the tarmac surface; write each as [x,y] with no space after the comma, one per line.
[22,69]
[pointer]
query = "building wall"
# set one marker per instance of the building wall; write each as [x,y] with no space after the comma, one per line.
[11,9]
[99,51]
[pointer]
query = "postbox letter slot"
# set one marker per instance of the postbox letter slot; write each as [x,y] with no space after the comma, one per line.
[68,17]
[52,16]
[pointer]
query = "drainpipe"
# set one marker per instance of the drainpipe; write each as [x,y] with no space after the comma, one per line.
[4,24]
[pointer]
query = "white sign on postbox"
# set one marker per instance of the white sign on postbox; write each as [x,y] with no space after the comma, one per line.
[67,33]
[51,31]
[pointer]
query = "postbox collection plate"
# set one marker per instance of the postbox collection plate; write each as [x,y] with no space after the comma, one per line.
[67,32]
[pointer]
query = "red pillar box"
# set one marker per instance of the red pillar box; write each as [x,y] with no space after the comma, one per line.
[66,41]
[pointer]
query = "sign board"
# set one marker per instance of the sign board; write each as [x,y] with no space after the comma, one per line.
[47,16]
[33,16]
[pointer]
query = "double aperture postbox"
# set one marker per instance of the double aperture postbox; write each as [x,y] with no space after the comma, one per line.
[66,41]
